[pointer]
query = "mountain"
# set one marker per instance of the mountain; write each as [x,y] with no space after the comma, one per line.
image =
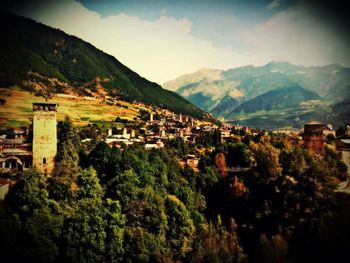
[278,99]
[204,88]
[331,83]
[341,112]
[199,76]
[290,106]
[341,89]
[34,56]
[226,105]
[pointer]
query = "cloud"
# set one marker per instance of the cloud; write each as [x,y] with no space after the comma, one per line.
[159,50]
[296,36]
[273,4]
[165,48]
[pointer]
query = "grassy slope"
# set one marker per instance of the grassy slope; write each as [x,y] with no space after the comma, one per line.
[17,109]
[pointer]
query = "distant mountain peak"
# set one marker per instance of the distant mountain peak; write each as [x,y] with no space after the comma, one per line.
[280,98]
[274,63]
[204,74]
[311,87]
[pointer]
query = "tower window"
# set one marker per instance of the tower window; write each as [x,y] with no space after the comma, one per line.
[44,160]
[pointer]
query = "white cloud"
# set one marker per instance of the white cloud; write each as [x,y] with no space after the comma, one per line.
[296,36]
[158,50]
[163,49]
[273,4]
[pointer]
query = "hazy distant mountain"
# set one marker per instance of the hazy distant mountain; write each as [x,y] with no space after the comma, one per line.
[330,83]
[205,88]
[199,76]
[277,99]
[226,105]
[341,112]
[30,51]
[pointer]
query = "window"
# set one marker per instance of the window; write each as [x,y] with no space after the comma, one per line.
[44,160]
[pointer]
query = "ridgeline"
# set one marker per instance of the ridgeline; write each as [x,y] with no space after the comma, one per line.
[31,52]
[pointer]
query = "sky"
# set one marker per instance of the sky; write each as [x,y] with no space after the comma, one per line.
[162,40]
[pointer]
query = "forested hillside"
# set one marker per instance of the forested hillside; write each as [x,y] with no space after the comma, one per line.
[30,51]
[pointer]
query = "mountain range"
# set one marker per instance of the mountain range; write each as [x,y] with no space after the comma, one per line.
[45,60]
[276,95]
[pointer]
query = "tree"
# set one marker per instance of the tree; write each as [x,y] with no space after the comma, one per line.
[84,233]
[28,193]
[124,187]
[180,226]
[220,162]
[114,228]
[37,222]
[85,230]
[266,158]
[217,244]
[68,143]
[238,154]
[105,160]
[293,161]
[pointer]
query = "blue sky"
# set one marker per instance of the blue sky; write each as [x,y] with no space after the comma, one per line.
[164,39]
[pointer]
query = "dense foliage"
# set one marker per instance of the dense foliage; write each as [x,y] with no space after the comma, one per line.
[110,205]
[29,48]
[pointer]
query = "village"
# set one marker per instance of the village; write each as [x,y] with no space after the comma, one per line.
[20,149]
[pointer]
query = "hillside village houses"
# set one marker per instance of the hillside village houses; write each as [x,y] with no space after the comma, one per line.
[22,148]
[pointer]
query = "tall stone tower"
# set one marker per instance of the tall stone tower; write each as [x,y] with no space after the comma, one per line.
[313,137]
[44,136]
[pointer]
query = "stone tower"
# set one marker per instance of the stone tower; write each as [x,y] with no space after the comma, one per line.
[313,137]
[44,136]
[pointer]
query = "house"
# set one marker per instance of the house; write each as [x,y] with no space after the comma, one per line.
[191,160]
[15,155]
[157,145]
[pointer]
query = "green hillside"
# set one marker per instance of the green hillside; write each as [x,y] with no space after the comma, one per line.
[29,48]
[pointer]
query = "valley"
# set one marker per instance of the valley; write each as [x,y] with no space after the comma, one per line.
[264,96]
